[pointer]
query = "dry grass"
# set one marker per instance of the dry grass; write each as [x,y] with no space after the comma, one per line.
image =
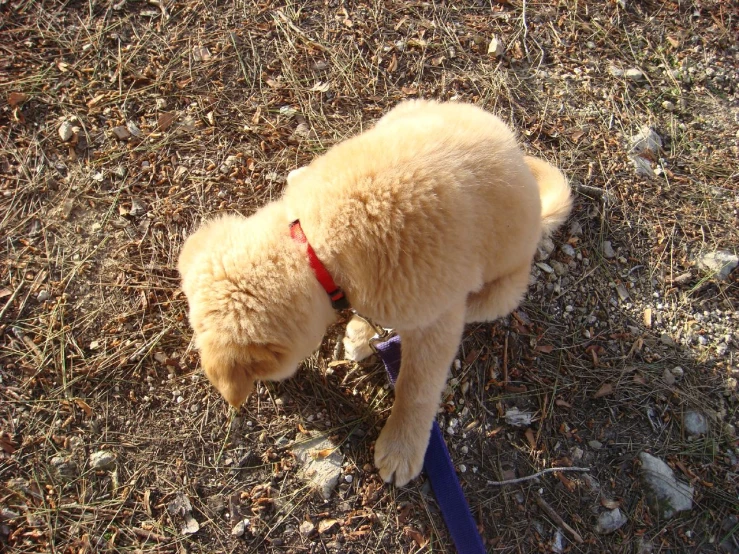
[223,98]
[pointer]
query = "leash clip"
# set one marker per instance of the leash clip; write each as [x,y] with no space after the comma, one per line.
[381,334]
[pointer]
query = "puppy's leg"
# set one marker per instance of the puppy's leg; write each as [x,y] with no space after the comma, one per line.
[426,356]
[356,339]
[498,298]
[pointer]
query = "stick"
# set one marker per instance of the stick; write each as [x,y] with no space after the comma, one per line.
[505,360]
[557,518]
[536,475]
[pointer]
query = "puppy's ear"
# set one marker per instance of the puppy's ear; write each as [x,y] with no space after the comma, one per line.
[227,369]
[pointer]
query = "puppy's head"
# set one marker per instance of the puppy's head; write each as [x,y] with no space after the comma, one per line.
[233,367]
[252,317]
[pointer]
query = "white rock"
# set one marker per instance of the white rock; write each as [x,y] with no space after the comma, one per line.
[610,521]
[137,207]
[634,74]
[567,250]
[678,372]
[240,528]
[323,472]
[545,249]
[546,268]
[558,542]
[133,128]
[66,131]
[496,47]
[667,495]
[695,423]
[102,459]
[306,528]
[517,418]
[43,296]
[669,106]
[668,377]
[559,268]
[642,167]
[646,140]
[608,250]
[719,262]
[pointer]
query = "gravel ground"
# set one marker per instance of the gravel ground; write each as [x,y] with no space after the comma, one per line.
[123,124]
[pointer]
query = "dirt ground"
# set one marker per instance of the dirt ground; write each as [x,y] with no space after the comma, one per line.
[123,123]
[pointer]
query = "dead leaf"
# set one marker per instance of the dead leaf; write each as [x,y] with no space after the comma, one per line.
[529,434]
[15,98]
[201,53]
[321,454]
[320,87]
[568,483]
[639,379]
[404,513]
[147,501]
[417,536]
[6,444]
[604,390]
[673,41]
[165,120]
[610,504]
[562,403]
[393,65]
[544,348]
[84,406]
[326,525]
[95,101]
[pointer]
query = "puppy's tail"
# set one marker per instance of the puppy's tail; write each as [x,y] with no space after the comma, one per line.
[556,196]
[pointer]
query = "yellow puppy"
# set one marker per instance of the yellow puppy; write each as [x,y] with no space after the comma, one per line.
[427,221]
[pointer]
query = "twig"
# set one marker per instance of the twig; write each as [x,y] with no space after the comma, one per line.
[536,475]
[595,191]
[505,360]
[525,29]
[10,300]
[148,535]
[551,512]
[238,55]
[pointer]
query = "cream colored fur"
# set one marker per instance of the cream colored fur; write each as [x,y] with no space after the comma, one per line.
[428,220]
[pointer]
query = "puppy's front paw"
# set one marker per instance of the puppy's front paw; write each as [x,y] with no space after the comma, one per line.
[399,452]
[356,340]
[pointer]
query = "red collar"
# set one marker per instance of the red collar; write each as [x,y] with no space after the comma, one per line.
[335,293]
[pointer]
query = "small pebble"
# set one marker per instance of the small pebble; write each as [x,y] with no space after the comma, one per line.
[668,377]
[102,459]
[66,131]
[240,528]
[568,250]
[608,250]
[634,74]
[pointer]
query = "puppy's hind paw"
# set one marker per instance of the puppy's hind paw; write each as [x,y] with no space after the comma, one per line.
[357,340]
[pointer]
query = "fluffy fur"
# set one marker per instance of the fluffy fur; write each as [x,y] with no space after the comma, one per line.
[428,220]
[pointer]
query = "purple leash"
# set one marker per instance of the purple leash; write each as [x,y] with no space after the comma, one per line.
[438,466]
